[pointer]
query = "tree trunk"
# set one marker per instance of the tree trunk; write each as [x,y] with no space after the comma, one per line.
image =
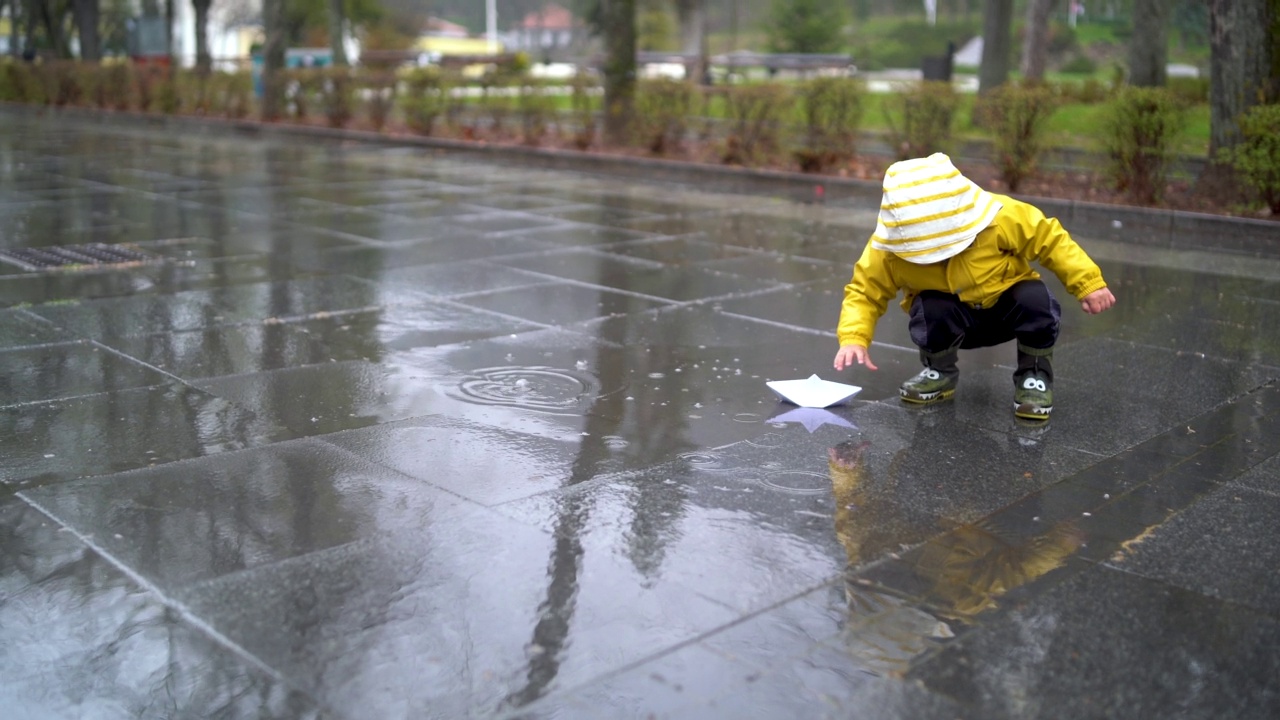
[204,61]
[693,36]
[1149,45]
[88,14]
[618,20]
[1035,43]
[52,17]
[168,30]
[30,17]
[337,20]
[273,22]
[1242,64]
[997,17]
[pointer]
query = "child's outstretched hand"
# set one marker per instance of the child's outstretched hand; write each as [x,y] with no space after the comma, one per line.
[848,354]
[1097,301]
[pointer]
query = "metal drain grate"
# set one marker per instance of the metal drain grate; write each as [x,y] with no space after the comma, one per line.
[76,256]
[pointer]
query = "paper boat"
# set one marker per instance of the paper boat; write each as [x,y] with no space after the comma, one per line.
[813,392]
[812,418]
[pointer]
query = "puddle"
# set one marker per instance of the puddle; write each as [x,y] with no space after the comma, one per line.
[768,440]
[797,482]
[703,460]
[545,389]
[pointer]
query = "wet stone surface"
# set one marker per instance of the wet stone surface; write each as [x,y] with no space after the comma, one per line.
[393,433]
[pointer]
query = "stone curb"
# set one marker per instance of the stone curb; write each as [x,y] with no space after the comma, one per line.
[1154,227]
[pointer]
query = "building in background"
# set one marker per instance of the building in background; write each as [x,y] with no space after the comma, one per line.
[550,33]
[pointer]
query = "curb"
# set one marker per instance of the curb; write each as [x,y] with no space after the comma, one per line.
[1152,227]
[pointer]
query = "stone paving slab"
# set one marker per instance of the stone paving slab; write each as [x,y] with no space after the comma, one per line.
[396,433]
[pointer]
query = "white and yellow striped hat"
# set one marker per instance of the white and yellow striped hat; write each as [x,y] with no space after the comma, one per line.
[930,211]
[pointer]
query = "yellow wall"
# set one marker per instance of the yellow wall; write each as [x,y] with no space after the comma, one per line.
[454,46]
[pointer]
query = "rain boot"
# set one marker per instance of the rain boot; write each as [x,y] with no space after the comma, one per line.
[936,382]
[1033,383]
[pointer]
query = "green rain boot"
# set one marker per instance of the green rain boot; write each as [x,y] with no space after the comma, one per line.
[936,382]
[1033,383]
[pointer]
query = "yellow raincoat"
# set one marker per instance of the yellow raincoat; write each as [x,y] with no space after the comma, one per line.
[999,257]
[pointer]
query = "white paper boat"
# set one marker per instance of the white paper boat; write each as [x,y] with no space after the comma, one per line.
[812,418]
[813,392]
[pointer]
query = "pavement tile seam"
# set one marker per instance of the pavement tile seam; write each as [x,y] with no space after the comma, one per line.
[1235,605]
[786,326]
[638,663]
[400,473]
[556,280]
[83,396]
[178,608]
[1117,560]
[460,303]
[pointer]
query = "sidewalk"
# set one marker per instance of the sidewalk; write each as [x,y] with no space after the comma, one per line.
[389,431]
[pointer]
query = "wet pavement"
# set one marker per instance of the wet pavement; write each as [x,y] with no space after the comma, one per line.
[373,431]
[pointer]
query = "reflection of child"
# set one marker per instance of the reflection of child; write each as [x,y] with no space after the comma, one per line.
[962,256]
[967,568]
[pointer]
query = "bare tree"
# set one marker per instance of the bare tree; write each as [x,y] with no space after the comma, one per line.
[1242,66]
[1149,45]
[204,61]
[337,20]
[168,30]
[273,22]
[617,21]
[88,14]
[693,35]
[1035,42]
[53,17]
[997,18]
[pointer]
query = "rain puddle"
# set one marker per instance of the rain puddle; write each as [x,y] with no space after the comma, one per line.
[703,460]
[797,482]
[544,389]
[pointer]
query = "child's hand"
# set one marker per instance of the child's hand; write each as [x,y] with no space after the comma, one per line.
[1097,301]
[850,353]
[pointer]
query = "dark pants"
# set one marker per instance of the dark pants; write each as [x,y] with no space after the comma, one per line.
[1026,312]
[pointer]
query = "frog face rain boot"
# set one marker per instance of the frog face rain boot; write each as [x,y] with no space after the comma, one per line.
[936,382]
[1033,383]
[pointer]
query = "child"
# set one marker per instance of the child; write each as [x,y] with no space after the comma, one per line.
[963,255]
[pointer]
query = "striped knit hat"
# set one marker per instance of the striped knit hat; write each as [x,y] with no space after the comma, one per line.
[930,211]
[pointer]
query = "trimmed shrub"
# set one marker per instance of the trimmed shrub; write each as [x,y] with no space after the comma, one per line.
[66,82]
[1138,132]
[926,116]
[380,97]
[831,109]
[168,101]
[198,91]
[338,95]
[582,105]
[115,86]
[19,83]
[1256,158]
[237,94]
[1016,115]
[498,100]
[754,114]
[663,109]
[148,79]
[1189,90]
[536,107]
[426,99]
[1079,65]
[302,89]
